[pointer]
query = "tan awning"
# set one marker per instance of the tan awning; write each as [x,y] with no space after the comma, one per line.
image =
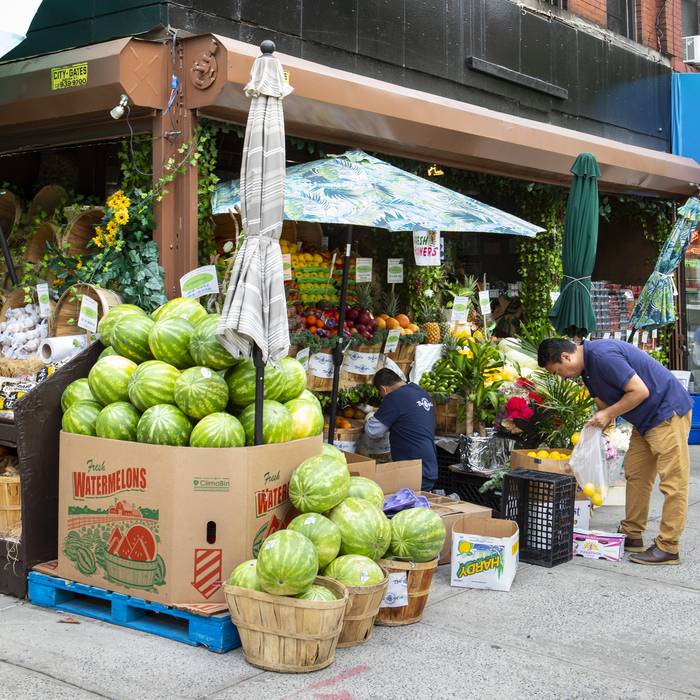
[340,107]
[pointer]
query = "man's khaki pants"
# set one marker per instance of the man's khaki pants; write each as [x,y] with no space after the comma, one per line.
[664,451]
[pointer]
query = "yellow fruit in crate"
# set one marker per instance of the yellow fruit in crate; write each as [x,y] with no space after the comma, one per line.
[597,499]
[554,455]
[575,438]
[543,454]
[589,490]
[532,454]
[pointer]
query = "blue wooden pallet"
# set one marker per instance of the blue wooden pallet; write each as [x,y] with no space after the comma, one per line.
[217,632]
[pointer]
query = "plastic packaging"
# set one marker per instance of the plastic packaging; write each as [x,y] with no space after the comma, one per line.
[588,464]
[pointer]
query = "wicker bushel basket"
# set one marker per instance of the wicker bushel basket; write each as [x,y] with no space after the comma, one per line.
[284,634]
[80,231]
[18,298]
[419,580]
[11,210]
[363,607]
[67,309]
[37,240]
[10,502]
[45,203]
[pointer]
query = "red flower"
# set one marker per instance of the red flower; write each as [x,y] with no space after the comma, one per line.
[518,408]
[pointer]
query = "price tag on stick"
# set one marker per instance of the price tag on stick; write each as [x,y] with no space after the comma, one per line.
[460,309]
[392,340]
[199,282]
[88,314]
[394,273]
[42,291]
[363,270]
[287,267]
[303,357]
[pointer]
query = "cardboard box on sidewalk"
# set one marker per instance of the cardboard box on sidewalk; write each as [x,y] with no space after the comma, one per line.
[391,476]
[520,460]
[168,524]
[484,553]
[593,544]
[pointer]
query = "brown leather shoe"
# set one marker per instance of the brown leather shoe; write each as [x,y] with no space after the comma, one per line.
[655,557]
[633,545]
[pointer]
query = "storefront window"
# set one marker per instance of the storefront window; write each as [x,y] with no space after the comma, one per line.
[692,295]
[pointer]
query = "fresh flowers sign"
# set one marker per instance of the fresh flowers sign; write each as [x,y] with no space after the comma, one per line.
[426,248]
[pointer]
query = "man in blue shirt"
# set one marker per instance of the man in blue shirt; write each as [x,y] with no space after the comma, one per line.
[408,412]
[625,381]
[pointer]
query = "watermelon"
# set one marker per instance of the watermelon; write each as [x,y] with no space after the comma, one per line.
[118,421]
[307,417]
[205,349]
[333,451]
[241,383]
[367,489]
[278,425]
[164,424]
[245,575]
[79,390]
[169,341]
[189,309]
[309,396]
[417,533]
[287,563]
[364,529]
[130,338]
[355,570]
[153,383]
[81,417]
[109,379]
[218,430]
[318,484]
[316,593]
[107,352]
[108,321]
[200,391]
[294,379]
[322,532]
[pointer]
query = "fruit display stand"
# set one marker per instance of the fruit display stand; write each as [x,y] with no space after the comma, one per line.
[35,434]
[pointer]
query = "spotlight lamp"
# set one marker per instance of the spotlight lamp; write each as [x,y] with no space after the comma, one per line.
[118,111]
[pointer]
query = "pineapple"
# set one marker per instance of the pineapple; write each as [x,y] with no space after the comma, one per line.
[363,296]
[390,304]
[443,325]
[426,319]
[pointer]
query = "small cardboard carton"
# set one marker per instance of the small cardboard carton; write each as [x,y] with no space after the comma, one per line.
[391,476]
[582,515]
[484,553]
[520,460]
[593,544]
[451,510]
[168,524]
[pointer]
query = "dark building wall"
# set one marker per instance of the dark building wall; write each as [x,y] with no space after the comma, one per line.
[422,44]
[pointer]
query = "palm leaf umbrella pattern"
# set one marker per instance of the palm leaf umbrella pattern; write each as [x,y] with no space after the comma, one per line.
[356,188]
[255,309]
[655,307]
[573,313]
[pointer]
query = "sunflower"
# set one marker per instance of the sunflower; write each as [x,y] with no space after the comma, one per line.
[112,227]
[121,217]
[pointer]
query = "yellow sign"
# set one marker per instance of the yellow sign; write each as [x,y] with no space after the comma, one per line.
[69,76]
[286,77]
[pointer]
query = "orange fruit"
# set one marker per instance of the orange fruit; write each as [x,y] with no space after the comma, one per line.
[381,323]
[311,320]
[384,317]
[407,331]
[339,422]
[403,320]
[346,425]
[358,415]
[349,412]
[393,323]
[413,327]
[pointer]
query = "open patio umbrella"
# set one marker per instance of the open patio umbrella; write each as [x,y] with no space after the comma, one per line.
[254,316]
[358,189]
[16,18]
[573,314]
[655,307]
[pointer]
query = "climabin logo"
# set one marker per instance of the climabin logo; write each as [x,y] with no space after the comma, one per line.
[221,485]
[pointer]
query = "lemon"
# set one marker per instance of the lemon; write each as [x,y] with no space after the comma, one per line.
[597,499]
[543,454]
[589,489]
[532,454]
[575,438]
[554,455]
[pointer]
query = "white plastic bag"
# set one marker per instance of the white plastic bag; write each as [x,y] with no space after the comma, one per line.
[588,464]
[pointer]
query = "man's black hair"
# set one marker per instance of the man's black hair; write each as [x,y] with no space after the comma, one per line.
[386,377]
[550,350]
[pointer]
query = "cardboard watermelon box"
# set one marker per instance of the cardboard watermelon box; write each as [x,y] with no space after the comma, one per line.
[169,524]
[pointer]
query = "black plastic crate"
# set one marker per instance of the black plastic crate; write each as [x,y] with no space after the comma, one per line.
[467,485]
[542,504]
[445,459]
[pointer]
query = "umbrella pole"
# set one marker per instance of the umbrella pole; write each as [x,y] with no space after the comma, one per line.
[259,394]
[631,338]
[342,340]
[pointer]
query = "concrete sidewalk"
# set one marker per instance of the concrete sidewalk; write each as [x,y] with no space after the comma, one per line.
[586,629]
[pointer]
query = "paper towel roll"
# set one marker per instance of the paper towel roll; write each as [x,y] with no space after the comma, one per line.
[57,349]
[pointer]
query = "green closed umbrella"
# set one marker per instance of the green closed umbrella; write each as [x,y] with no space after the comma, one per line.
[572,314]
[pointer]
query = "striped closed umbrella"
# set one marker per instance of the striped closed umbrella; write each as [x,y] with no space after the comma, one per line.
[255,309]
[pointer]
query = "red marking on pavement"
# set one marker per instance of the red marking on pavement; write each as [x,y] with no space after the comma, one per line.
[336,696]
[331,681]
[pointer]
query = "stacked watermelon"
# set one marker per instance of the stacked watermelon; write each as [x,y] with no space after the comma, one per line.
[166,380]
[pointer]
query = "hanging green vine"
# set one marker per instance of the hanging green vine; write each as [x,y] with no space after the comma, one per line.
[135,162]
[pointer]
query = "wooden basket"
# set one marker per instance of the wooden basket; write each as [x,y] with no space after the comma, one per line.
[403,353]
[11,209]
[365,350]
[10,502]
[363,607]
[45,203]
[17,299]
[68,308]
[80,231]
[446,423]
[37,240]
[280,633]
[419,579]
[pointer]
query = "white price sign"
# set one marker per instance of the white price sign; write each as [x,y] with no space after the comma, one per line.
[394,273]
[426,248]
[363,270]
[88,314]
[287,267]
[392,340]
[606,336]
[554,296]
[303,357]
[42,291]
[654,334]
[618,335]
[485,303]
[645,337]
[324,242]
[461,308]
[199,282]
